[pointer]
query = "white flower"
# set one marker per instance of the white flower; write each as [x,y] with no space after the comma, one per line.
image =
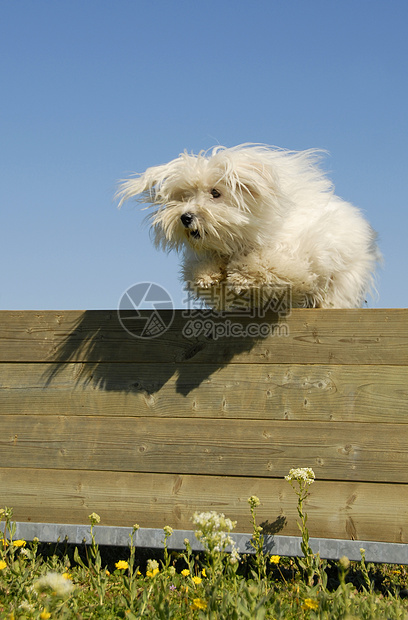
[152,565]
[214,532]
[26,606]
[235,557]
[302,474]
[25,552]
[213,521]
[56,582]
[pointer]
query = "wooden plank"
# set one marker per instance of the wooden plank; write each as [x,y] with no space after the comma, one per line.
[349,510]
[335,450]
[314,336]
[95,420]
[256,391]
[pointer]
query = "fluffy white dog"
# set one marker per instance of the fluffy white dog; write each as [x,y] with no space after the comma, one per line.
[255,223]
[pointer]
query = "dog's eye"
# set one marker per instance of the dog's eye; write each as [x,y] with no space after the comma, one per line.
[215,193]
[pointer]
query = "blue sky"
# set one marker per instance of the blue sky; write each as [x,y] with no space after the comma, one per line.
[93,90]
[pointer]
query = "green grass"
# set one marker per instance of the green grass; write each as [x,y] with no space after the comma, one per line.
[43,581]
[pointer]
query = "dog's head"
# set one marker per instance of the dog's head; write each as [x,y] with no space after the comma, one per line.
[222,201]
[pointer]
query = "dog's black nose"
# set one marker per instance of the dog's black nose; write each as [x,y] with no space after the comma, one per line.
[186,219]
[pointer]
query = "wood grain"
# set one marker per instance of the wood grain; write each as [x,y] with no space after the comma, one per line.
[313,337]
[149,431]
[336,451]
[255,391]
[348,510]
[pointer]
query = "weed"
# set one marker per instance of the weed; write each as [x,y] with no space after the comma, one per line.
[216,584]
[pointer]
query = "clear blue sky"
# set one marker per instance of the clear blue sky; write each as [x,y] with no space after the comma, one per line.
[92,90]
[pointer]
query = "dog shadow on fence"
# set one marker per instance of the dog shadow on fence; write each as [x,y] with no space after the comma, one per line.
[101,350]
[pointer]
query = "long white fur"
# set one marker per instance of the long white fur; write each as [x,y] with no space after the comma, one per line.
[277,225]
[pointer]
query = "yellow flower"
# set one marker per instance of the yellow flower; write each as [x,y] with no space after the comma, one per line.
[199,603]
[66,575]
[19,543]
[254,501]
[122,565]
[196,580]
[94,518]
[274,559]
[152,573]
[310,604]
[185,572]
[2,564]
[44,615]
[204,574]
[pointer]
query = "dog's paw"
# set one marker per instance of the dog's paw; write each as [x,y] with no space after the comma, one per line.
[238,281]
[208,280]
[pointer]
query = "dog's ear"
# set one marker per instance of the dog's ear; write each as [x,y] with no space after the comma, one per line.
[248,179]
[143,185]
[255,180]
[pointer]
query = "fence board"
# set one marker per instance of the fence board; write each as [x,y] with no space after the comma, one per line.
[291,392]
[336,451]
[345,510]
[314,337]
[149,431]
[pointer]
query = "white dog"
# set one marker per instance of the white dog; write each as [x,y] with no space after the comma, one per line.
[254,223]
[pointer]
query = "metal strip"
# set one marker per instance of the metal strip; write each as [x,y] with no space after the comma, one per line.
[328,548]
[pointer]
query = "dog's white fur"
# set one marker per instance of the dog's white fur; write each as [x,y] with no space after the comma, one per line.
[259,219]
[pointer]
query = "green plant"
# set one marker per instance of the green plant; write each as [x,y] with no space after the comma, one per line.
[217,584]
[300,480]
[257,541]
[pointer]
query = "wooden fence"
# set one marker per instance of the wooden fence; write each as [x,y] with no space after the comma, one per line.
[150,430]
